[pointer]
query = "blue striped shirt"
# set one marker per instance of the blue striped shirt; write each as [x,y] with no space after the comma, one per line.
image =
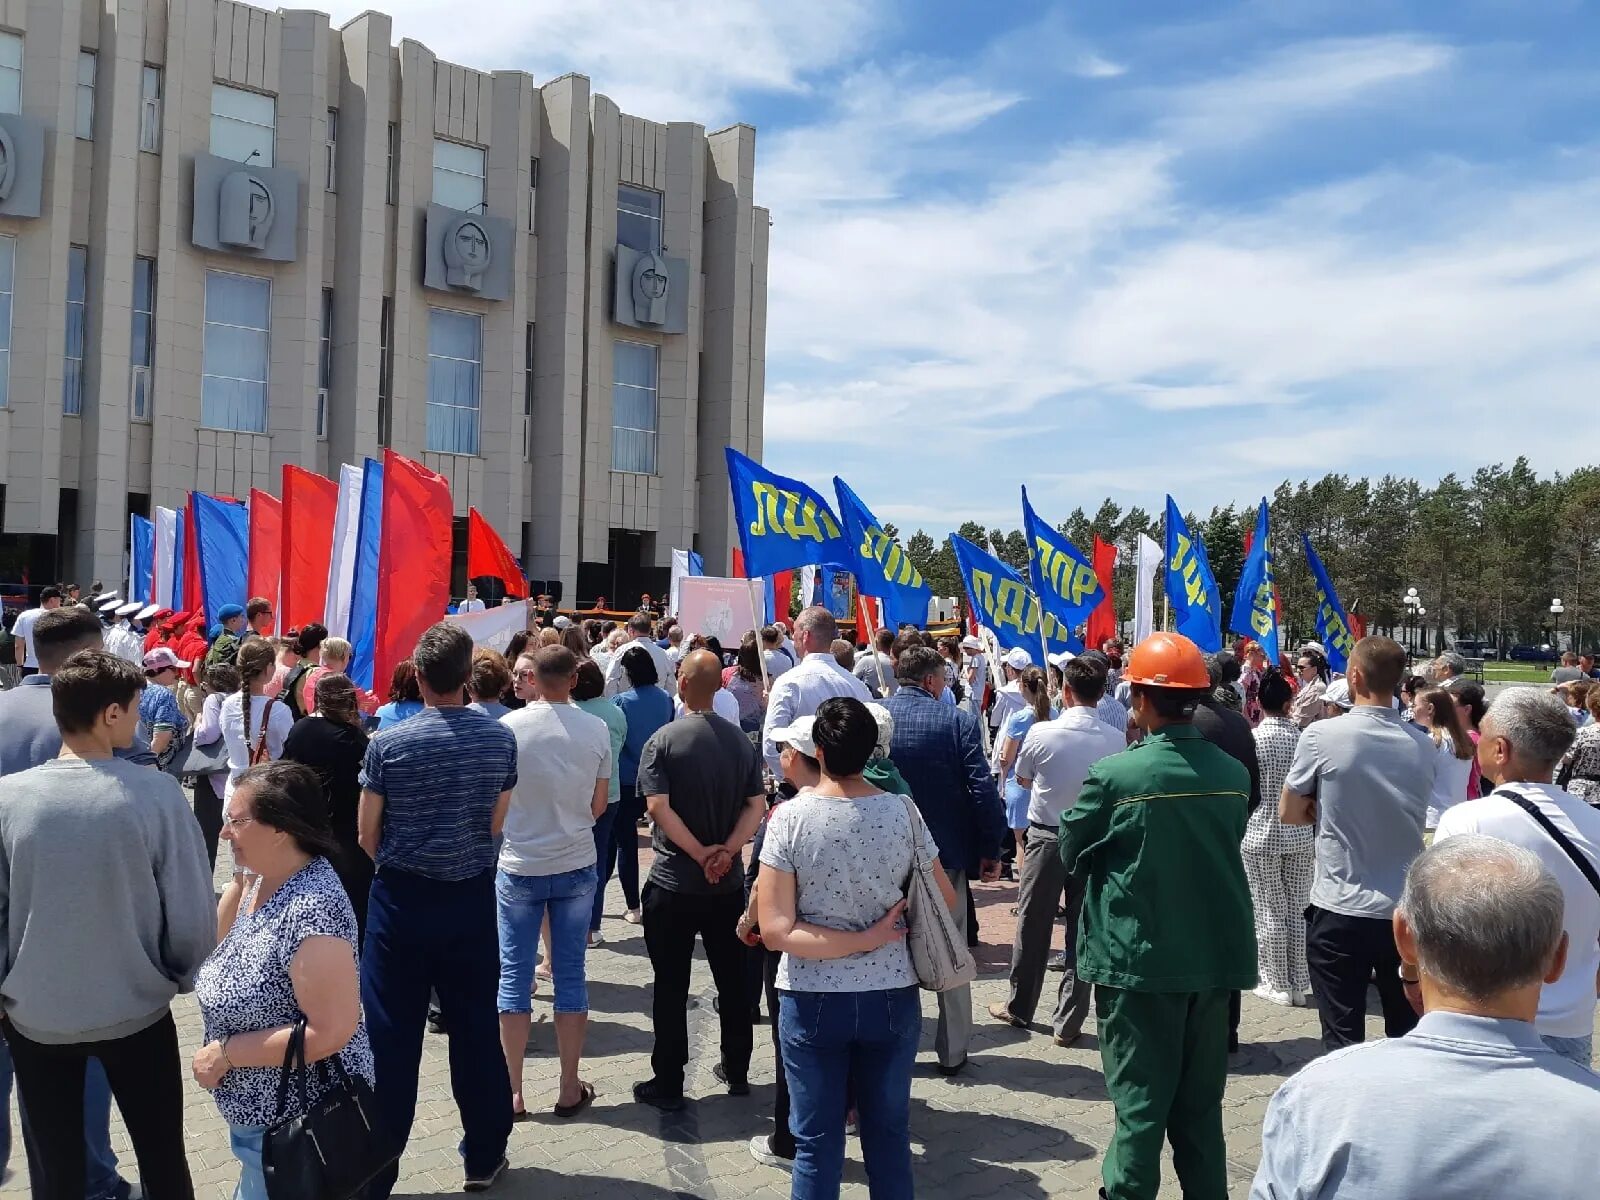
[440,775]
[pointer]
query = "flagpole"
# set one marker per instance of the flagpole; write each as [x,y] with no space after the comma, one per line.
[872,644]
[761,654]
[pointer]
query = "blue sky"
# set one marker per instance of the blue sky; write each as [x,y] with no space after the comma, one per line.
[1126,249]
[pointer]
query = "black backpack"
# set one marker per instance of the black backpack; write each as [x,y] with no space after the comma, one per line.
[290,694]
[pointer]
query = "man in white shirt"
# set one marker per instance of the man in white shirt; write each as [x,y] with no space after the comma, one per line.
[1008,696]
[674,650]
[815,678]
[638,634]
[121,639]
[22,631]
[1054,761]
[1524,735]
[875,666]
[974,675]
[471,604]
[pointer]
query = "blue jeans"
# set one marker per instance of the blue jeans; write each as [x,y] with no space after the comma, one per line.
[102,1182]
[1578,1049]
[431,934]
[833,1041]
[622,848]
[521,902]
[246,1142]
[602,846]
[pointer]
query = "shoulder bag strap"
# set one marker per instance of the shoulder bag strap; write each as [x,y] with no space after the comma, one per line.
[1579,859]
[294,1065]
[915,820]
[256,754]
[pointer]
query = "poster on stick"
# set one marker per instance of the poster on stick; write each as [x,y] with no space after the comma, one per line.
[493,628]
[719,608]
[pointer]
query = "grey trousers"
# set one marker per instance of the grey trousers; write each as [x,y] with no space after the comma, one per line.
[1044,878]
[954,1033]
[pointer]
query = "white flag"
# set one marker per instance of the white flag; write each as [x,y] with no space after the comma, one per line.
[342,562]
[1147,563]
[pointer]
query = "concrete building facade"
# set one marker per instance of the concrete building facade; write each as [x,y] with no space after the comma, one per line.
[233,239]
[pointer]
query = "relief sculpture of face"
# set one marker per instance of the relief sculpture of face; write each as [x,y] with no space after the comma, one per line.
[467,254]
[8,164]
[650,287]
[245,211]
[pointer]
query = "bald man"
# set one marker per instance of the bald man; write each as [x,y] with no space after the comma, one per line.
[701,779]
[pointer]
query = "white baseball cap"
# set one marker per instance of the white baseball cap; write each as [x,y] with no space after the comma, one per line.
[971,643]
[1018,659]
[1338,693]
[1060,660]
[797,734]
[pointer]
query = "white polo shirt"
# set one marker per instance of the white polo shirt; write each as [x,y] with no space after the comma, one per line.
[1566,1007]
[1056,756]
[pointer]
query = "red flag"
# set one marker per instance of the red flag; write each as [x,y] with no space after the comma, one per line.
[487,555]
[266,548]
[782,589]
[738,563]
[191,559]
[1103,620]
[309,504]
[414,560]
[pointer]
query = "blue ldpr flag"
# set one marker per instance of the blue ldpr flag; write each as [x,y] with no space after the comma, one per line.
[1063,578]
[782,522]
[1004,603]
[1191,587]
[1255,603]
[222,538]
[881,567]
[1333,627]
[141,558]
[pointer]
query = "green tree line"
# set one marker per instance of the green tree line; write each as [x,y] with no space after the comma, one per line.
[1487,554]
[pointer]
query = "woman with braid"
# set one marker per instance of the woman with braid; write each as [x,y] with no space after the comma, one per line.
[254,725]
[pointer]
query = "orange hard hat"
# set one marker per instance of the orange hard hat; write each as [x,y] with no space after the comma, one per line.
[1167,660]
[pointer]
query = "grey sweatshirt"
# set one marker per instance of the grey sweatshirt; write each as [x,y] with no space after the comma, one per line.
[106,908]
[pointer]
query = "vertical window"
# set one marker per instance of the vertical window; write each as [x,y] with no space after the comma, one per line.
[86,93]
[527,394]
[330,148]
[10,73]
[150,110]
[233,379]
[243,124]
[325,363]
[385,366]
[633,407]
[77,293]
[533,192]
[392,174]
[455,372]
[142,354]
[639,219]
[457,175]
[8,258]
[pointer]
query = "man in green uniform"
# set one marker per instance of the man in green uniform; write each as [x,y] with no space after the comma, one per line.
[1167,929]
[226,648]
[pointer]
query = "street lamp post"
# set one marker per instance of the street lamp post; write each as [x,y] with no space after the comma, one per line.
[1556,609]
[1413,603]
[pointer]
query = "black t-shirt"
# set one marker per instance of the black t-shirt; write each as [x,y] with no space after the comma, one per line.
[1230,732]
[708,769]
[334,751]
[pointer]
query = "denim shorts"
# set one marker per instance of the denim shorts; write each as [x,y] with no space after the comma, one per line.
[521,902]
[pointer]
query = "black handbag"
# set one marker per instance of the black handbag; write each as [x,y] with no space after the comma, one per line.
[336,1146]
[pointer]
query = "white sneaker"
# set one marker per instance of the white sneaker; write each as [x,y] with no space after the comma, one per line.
[597,938]
[761,1151]
[1274,997]
[1301,999]
[633,917]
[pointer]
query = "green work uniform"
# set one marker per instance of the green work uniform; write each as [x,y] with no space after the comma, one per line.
[224,650]
[1167,932]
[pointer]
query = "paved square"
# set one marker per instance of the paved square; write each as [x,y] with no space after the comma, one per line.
[1026,1120]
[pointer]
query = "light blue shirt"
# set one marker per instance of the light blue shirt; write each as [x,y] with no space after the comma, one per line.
[1461,1108]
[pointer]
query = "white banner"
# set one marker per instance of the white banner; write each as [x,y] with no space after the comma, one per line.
[163,570]
[493,627]
[342,562]
[721,608]
[1147,562]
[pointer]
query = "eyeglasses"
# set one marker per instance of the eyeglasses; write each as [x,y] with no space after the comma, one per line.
[236,822]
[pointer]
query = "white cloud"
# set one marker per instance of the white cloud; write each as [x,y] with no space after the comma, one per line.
[1093,66]
[668,60]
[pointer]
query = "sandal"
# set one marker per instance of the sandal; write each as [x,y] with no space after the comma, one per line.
[1004,1015]
[585,1098]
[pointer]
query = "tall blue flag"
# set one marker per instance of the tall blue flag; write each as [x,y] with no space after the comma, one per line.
[222,538]
[1333,627]
[1191,587]
[881,567]
[1064,579]
[782,522]
[1255,603]
[1003,601]
[141,557]
[364,579]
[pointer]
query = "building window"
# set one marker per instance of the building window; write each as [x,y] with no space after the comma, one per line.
[142,354]
[10,73]
[150,110]
[633,408]
[86,94]
[8,258]
[391,193]
[385,366]
[639,219]
[243,124]
[457,175]
[330,148]
[527,394]
[325,363]
[77,293]
[233,379]
[533,191]
[455,372]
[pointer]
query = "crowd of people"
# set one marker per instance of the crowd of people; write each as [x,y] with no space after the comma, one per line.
[429,859]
